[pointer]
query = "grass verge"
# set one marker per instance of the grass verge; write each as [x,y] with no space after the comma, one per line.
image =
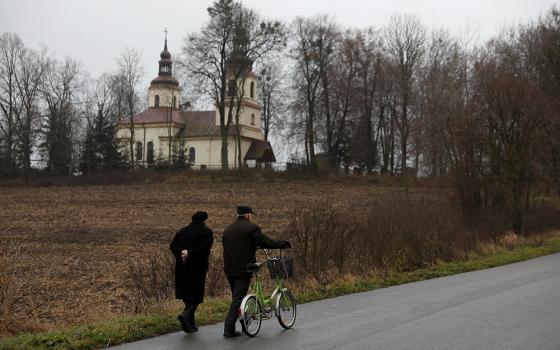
[126,329]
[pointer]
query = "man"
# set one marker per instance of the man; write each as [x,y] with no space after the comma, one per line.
[191,248]
[240,242]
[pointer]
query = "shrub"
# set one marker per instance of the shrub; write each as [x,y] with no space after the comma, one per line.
[17,309]
[153,279]
[216,282]
[323,238]
[392,233]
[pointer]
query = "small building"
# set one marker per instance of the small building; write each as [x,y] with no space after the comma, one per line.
[165,129]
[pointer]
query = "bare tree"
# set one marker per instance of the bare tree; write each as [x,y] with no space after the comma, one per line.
[368,66]
[130,73]
[326,50]
[59,91]
[404,42]
[31,72]
[11,47]
[442,100]
[342,100]
[272,94]
[515,111]
[308,36]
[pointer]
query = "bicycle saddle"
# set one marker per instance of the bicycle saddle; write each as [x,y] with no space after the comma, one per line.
[253,267]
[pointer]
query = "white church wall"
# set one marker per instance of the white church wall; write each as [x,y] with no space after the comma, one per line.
[145,134]
[209,152]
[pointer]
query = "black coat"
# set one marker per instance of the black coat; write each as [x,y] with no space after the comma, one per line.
[190,276]
[240,242]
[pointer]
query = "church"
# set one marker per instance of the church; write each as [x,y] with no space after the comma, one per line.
[166,127]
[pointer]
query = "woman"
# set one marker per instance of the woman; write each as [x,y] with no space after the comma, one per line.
[191,248]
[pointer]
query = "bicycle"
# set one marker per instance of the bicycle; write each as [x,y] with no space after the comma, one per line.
[255,307]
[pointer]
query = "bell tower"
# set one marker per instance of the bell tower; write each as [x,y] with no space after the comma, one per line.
[240,65]
[164,89]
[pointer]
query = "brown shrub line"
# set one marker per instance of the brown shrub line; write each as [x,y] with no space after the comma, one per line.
[397,233]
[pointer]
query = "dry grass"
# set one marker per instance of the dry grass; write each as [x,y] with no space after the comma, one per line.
[79,242]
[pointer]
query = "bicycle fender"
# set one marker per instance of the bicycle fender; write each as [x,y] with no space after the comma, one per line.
[277,301]
[243,302]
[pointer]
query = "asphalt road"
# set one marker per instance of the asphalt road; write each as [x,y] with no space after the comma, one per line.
[515,306]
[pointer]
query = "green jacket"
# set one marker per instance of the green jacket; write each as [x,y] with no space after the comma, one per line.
[240,241]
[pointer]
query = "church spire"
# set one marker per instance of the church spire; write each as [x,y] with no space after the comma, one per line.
[165,62]
[239,58]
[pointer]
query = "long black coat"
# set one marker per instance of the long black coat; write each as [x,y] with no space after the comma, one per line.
[240,241]
[190,276]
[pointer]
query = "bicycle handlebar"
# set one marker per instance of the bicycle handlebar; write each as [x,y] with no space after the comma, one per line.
[268,256]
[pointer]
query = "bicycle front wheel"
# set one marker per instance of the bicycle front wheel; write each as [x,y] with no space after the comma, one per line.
[251,316]
[286,310]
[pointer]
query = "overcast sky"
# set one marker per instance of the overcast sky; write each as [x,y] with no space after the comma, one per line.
[96,31]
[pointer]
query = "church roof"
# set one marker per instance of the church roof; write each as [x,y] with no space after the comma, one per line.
[200,123]
[155,115]
[196,123]
[164,80]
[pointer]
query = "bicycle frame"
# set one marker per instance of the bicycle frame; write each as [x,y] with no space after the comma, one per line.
[258,291]
[261,307]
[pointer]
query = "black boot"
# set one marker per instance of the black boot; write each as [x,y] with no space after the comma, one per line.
[184,319]
[192,321]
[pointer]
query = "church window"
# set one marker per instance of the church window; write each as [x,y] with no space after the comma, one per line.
[150,155]
[139,151]
[231,88]
[252,119]
[156,101]
[252,89]
[192,155]
[174,101]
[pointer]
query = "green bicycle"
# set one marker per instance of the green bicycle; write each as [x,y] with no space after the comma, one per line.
[255,307]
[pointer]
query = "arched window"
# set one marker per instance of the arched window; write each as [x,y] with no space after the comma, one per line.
[231,88]
[150,155]
[252,119]
[192,155]
[156,101]
[252,89]
[138,151]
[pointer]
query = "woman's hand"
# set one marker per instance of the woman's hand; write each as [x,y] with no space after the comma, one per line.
[184,254]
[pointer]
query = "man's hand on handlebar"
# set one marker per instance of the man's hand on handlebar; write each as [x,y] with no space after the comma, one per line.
[286,244]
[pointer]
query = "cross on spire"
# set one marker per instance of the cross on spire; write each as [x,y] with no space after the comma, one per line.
[165,31]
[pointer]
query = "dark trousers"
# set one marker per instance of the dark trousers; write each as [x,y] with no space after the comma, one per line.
[239,287]
[189,305]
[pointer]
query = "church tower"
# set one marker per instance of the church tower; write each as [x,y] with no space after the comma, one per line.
[164,89]
[241,65]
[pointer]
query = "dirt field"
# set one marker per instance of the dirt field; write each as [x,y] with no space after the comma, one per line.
[77,241]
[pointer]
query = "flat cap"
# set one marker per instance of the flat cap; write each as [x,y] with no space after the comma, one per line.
[244,209]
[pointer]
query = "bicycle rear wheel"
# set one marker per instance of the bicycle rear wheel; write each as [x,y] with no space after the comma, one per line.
[251,316]
[286,310]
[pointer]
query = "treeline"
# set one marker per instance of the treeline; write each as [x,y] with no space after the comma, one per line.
[405,100]
[52,111]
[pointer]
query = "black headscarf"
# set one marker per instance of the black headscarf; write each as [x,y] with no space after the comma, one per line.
[200,216]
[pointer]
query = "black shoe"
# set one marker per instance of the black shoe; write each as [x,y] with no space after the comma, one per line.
[232,335]
[192,321]
[185,326]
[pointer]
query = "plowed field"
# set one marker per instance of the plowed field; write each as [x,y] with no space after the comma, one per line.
[78,241]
